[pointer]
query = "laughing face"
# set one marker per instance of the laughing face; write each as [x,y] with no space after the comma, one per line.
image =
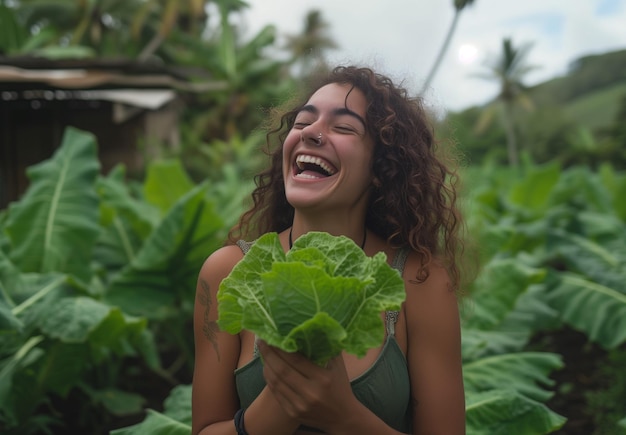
[327,155]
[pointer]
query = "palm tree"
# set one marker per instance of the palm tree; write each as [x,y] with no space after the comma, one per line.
[459,5]
[308,47]
[87,28]
[170,14]
[508,69]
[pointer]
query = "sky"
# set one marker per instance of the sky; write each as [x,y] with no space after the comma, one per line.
[401,38]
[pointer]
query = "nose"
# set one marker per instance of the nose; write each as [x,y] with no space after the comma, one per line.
[315,138]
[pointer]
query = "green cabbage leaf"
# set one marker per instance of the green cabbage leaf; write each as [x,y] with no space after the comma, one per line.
[320,298]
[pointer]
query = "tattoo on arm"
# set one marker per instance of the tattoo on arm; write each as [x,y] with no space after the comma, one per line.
[209,327]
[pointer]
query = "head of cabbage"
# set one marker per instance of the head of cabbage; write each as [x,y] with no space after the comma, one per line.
[320,298]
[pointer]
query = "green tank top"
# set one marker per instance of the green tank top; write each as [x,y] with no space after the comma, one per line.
[384,388]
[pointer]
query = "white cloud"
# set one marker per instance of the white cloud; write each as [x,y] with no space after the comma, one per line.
[402,37]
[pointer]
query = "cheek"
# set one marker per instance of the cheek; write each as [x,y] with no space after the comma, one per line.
[366,157]
[288,144]
[290,141]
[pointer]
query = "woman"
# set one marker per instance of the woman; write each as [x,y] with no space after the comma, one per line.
[357,158]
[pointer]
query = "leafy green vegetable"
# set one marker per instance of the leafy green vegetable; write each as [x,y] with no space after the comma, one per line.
[323,296]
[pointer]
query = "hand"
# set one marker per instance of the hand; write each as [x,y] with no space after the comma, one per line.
[320,397]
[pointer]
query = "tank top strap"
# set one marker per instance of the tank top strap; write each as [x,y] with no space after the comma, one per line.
[244,246]
[391,317]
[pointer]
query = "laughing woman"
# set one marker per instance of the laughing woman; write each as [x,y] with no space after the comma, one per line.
[356,157]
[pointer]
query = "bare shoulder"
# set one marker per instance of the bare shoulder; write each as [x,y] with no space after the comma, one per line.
[219,264]
[437,284]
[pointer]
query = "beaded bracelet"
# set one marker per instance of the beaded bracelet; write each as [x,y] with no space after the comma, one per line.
[239,427]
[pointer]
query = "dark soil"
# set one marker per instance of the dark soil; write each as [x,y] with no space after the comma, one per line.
[581,375]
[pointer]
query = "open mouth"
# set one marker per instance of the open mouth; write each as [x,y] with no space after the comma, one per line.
[313,167]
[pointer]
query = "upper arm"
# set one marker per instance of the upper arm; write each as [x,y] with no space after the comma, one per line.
[214,396]
[434,355]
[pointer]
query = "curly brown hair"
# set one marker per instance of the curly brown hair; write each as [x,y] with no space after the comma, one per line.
[413,198]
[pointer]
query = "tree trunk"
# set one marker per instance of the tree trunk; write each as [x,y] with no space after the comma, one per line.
[442,52]
[511,139]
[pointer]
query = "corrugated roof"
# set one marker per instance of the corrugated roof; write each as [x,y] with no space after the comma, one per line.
[103,73]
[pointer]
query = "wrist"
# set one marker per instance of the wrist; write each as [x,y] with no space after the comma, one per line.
[265,416]
[240,427]
[360,420]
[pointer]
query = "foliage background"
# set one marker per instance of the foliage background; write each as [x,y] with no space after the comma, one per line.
[97,271]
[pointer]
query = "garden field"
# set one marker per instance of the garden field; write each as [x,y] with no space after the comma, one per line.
[97,280]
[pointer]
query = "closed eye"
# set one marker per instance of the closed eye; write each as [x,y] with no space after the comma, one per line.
[346,128]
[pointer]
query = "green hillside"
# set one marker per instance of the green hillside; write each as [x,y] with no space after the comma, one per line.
[598,108]
[590,92]
[574,118]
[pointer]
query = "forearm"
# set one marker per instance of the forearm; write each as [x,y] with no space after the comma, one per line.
[263,417]
[364,422]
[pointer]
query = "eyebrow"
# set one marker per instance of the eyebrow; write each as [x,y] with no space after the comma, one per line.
[336,112]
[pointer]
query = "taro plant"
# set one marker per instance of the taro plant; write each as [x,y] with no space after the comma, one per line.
[567,230]
[553,253]
[97,278]
[96,289]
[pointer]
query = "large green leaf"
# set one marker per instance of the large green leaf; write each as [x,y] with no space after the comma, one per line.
[478,344]
[581,189]
[497,289]
[118,402]
[55,224]
[11,283]
[615,183]
[8,322]
[165,270]
[62,367]
[119,193]
[127,222]
[166,182]
[231,193]
[532,313]
[38,291]
[532,193]
[72,319]
[524,372]
[599,225]
[595,309]
[10,278]
[155,424]
[177,412]
[602,264]
[12,32]
[178,404]
[27,353]
[87,331]
[505,412]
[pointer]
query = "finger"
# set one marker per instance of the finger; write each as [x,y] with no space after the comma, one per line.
[336,363]
[277,367]
[284,382]
[277,357]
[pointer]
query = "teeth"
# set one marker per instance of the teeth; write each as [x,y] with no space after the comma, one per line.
[301,159]
[307,176]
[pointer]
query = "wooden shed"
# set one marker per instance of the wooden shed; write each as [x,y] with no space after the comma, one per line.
[130,107]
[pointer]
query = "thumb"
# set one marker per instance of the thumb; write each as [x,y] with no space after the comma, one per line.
[336,362]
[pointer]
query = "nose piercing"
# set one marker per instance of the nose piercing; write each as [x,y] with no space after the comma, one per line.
[319,139]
